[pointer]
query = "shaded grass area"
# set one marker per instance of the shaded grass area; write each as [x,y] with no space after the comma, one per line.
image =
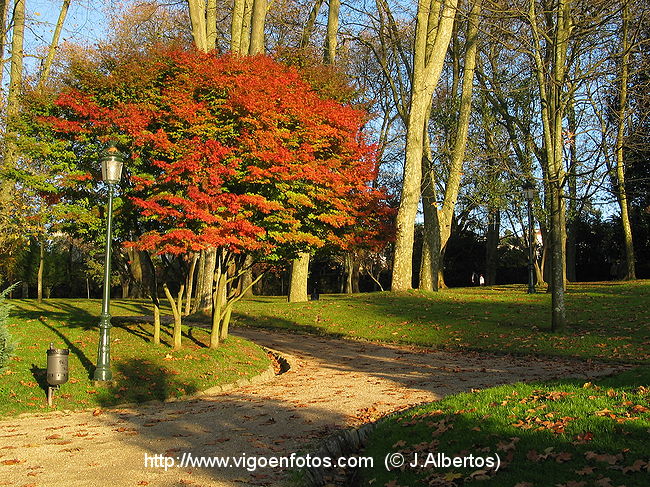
[607,321]
[566,433]
[141,371]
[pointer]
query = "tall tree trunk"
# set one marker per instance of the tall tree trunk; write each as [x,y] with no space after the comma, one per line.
[492,245]
[207,284]
[434,26]
[428,279]
[198,21]
[190,283]
[247,277]
[452,187]
[572,180]
[176,335]
[299,275]
[621,193]
[15,83]
[236,26]
[258,21]
[211,25]
[245,40]
[41,266]
[199,280]
[352,270]
[332,30]
[309,26]
[125,284]
[4,8]
[47,64]
[153,293]
[551,80]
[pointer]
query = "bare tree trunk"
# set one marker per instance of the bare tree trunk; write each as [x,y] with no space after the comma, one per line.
[4,7]
[621,193]
[551,74]
[41,266]
[236,26]
[572,216]
[309,26]
[125,284]
[199,281]
[211,25]
[245,40]
[258,21]
[492,245]
[153,292]
[190,283]
[433,32]
[332,30]
[198,21]
[352,269]
[47,65]
[218,298]
[207,284]
[15,82]
[247,277]
[179,298]
[452,187]
[431,237]
[177,318]
[299,275]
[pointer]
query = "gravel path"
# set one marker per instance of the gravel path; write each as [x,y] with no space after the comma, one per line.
[332,384]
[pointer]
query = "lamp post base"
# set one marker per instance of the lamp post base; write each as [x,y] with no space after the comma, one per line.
[103,371]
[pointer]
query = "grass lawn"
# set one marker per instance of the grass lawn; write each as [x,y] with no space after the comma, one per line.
[565,434]
[606,321]
[141,371]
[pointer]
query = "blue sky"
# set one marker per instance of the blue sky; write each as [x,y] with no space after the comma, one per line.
[86,22]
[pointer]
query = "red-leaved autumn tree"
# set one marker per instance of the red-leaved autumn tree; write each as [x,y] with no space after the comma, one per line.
[235,154]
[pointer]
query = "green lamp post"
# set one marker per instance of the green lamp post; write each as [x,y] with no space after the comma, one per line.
[112,162]
[529,195]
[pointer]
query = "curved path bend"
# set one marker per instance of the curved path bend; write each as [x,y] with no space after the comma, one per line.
[332,384]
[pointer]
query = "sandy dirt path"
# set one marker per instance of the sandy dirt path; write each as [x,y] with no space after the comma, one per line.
[332,384]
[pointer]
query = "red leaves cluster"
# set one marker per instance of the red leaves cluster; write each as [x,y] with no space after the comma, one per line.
[238,153]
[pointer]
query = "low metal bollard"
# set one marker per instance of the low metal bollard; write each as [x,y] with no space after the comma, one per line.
[57,370]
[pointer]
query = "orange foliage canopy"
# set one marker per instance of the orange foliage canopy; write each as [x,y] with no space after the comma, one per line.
[236,153]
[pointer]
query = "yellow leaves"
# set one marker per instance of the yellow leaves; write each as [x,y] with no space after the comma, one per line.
[556,426]
[298,199]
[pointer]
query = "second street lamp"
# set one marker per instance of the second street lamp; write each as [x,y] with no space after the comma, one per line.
[529,195]
[112,162]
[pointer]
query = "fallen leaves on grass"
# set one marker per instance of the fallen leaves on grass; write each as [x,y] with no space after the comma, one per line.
[582,438]
[604,457]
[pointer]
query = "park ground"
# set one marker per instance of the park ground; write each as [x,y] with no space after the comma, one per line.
[586,430]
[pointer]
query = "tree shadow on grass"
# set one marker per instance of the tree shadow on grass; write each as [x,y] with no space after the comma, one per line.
[74,315]
[138,380]
[586,452]
[40,376]
[477,319]
[85,361]
[145,332]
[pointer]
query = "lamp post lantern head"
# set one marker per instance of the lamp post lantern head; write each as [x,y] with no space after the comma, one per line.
[529,191]
[112,162]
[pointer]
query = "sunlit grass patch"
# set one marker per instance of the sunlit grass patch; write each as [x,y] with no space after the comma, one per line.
[550,434]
